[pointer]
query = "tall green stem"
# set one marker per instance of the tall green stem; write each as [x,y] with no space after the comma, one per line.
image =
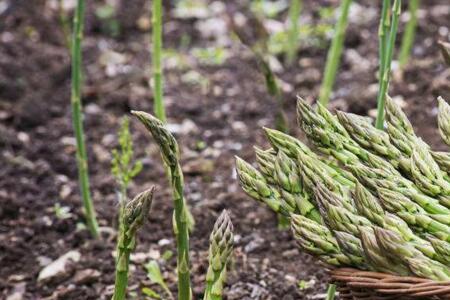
[82,163]
[410,33]
[122,267]
[385,74]
[293,33]
[170,155]
[157,65]
[334,54]
[383,36]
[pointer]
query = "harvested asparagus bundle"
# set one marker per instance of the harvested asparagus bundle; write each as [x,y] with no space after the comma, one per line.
[220,248]
[383,206]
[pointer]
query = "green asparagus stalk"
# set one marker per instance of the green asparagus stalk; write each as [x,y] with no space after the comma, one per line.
[286,175]
[77,119]
[292,147]
[373,139]
[336,214]
[444,120]
[332,139]
[383,36]
[413,214]
[135,214]
[318,240]
[160,112]
[256,186]
[442,249]
[334,54]
[404,253]
[386,73]
[293,31]
[349,244]
[409,34]
[266,163]
[427,174]
[376,257]
[220,249]
[367,205]
[170,155]
[399,128]
[442,159]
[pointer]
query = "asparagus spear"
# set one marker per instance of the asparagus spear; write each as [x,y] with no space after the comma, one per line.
[403,252]
[332,139]
[412,213]
[220,248]
[336,214]
[442,249]
[373,139]
[292,147]
[399,128]
[256,186]
[135,214]
[444,120]
[318,240]
[427,174]
[442,159]
[182,216]
[286,175]
[376,257]
[266,162]
[367,205]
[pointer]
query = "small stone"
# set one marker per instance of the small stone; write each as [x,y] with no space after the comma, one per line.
[86,276]
[59,267]
[164,242]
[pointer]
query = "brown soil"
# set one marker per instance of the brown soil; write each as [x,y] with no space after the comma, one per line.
[38,168]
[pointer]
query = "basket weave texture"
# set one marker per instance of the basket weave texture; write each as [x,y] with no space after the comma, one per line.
[355,284]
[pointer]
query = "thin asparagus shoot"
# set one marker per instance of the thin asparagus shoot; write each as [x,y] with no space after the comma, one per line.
[293,32]
[386,73]
[410,33]
[383,36]
[159,109]
[220,249]
[77,117]
[134,216]
[170,155]
[334,54]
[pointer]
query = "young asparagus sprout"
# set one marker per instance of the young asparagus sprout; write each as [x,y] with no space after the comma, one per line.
[444,120]
[220,249]
[134,215]
[182,217]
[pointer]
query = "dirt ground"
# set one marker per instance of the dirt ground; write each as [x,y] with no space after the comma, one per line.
[215,111]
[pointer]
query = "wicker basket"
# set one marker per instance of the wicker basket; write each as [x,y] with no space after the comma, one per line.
[355,284]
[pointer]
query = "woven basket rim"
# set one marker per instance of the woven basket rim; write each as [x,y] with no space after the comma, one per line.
[358,284]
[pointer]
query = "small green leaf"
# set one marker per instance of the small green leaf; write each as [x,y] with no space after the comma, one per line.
[155,276]
[151,293]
